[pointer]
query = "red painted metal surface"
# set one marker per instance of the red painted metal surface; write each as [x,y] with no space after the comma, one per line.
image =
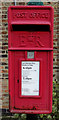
[30,28]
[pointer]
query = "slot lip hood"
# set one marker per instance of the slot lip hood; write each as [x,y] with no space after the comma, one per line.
[31,23]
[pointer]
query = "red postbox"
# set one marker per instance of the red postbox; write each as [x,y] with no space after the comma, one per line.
[30,34]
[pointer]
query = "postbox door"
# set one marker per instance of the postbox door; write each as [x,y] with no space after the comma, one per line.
[42,97]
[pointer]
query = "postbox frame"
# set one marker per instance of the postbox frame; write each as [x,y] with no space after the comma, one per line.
[11,53]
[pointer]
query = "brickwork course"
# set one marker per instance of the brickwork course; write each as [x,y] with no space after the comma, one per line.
[4,94]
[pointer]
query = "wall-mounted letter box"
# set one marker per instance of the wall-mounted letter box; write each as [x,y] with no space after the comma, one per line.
[30,34]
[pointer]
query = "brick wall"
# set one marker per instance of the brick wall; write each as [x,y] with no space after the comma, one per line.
[4,60]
